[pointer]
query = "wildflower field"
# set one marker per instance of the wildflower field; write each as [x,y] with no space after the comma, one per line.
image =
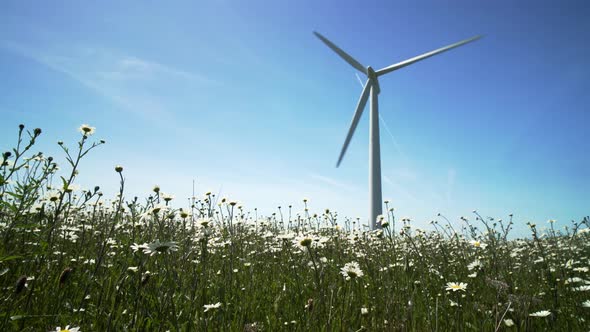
[76,260]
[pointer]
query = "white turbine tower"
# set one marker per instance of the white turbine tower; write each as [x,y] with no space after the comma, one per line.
[372,88]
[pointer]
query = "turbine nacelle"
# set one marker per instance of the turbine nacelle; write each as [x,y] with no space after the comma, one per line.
[372,75]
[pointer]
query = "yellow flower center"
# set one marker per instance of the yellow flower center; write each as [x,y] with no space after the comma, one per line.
[306,242]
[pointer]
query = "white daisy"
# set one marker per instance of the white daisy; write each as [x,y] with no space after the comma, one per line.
[478,244]
[136,247]
[351,270]
[475,264]
[542,313]
[212,306]
[67,329]
[456,286]
[303,242]
[160,247]
[86,130]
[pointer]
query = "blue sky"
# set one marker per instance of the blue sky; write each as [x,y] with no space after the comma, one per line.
[242,97]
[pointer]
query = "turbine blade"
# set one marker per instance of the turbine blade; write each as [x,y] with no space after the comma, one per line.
[355,119]
[342,54]
[408,62]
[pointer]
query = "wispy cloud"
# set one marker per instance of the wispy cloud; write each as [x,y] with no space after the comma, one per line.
[359,79]
[396,144]
[396,186]
[131,68]
[405,173]
[332,182]
[125,80]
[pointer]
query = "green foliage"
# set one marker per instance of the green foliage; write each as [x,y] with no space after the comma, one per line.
[71,257]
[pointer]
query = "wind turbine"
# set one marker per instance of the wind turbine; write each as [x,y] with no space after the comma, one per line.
[371,88]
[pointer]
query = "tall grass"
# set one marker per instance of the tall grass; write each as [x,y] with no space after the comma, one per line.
[72,257]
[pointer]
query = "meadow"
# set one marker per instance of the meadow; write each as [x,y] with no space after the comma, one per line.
[75,260]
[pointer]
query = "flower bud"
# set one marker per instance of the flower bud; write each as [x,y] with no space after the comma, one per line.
[65,275]
[309,305]
[21,282]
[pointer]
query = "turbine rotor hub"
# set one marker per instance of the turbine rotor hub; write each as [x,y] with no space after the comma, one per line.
[371,73]
[373,78]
